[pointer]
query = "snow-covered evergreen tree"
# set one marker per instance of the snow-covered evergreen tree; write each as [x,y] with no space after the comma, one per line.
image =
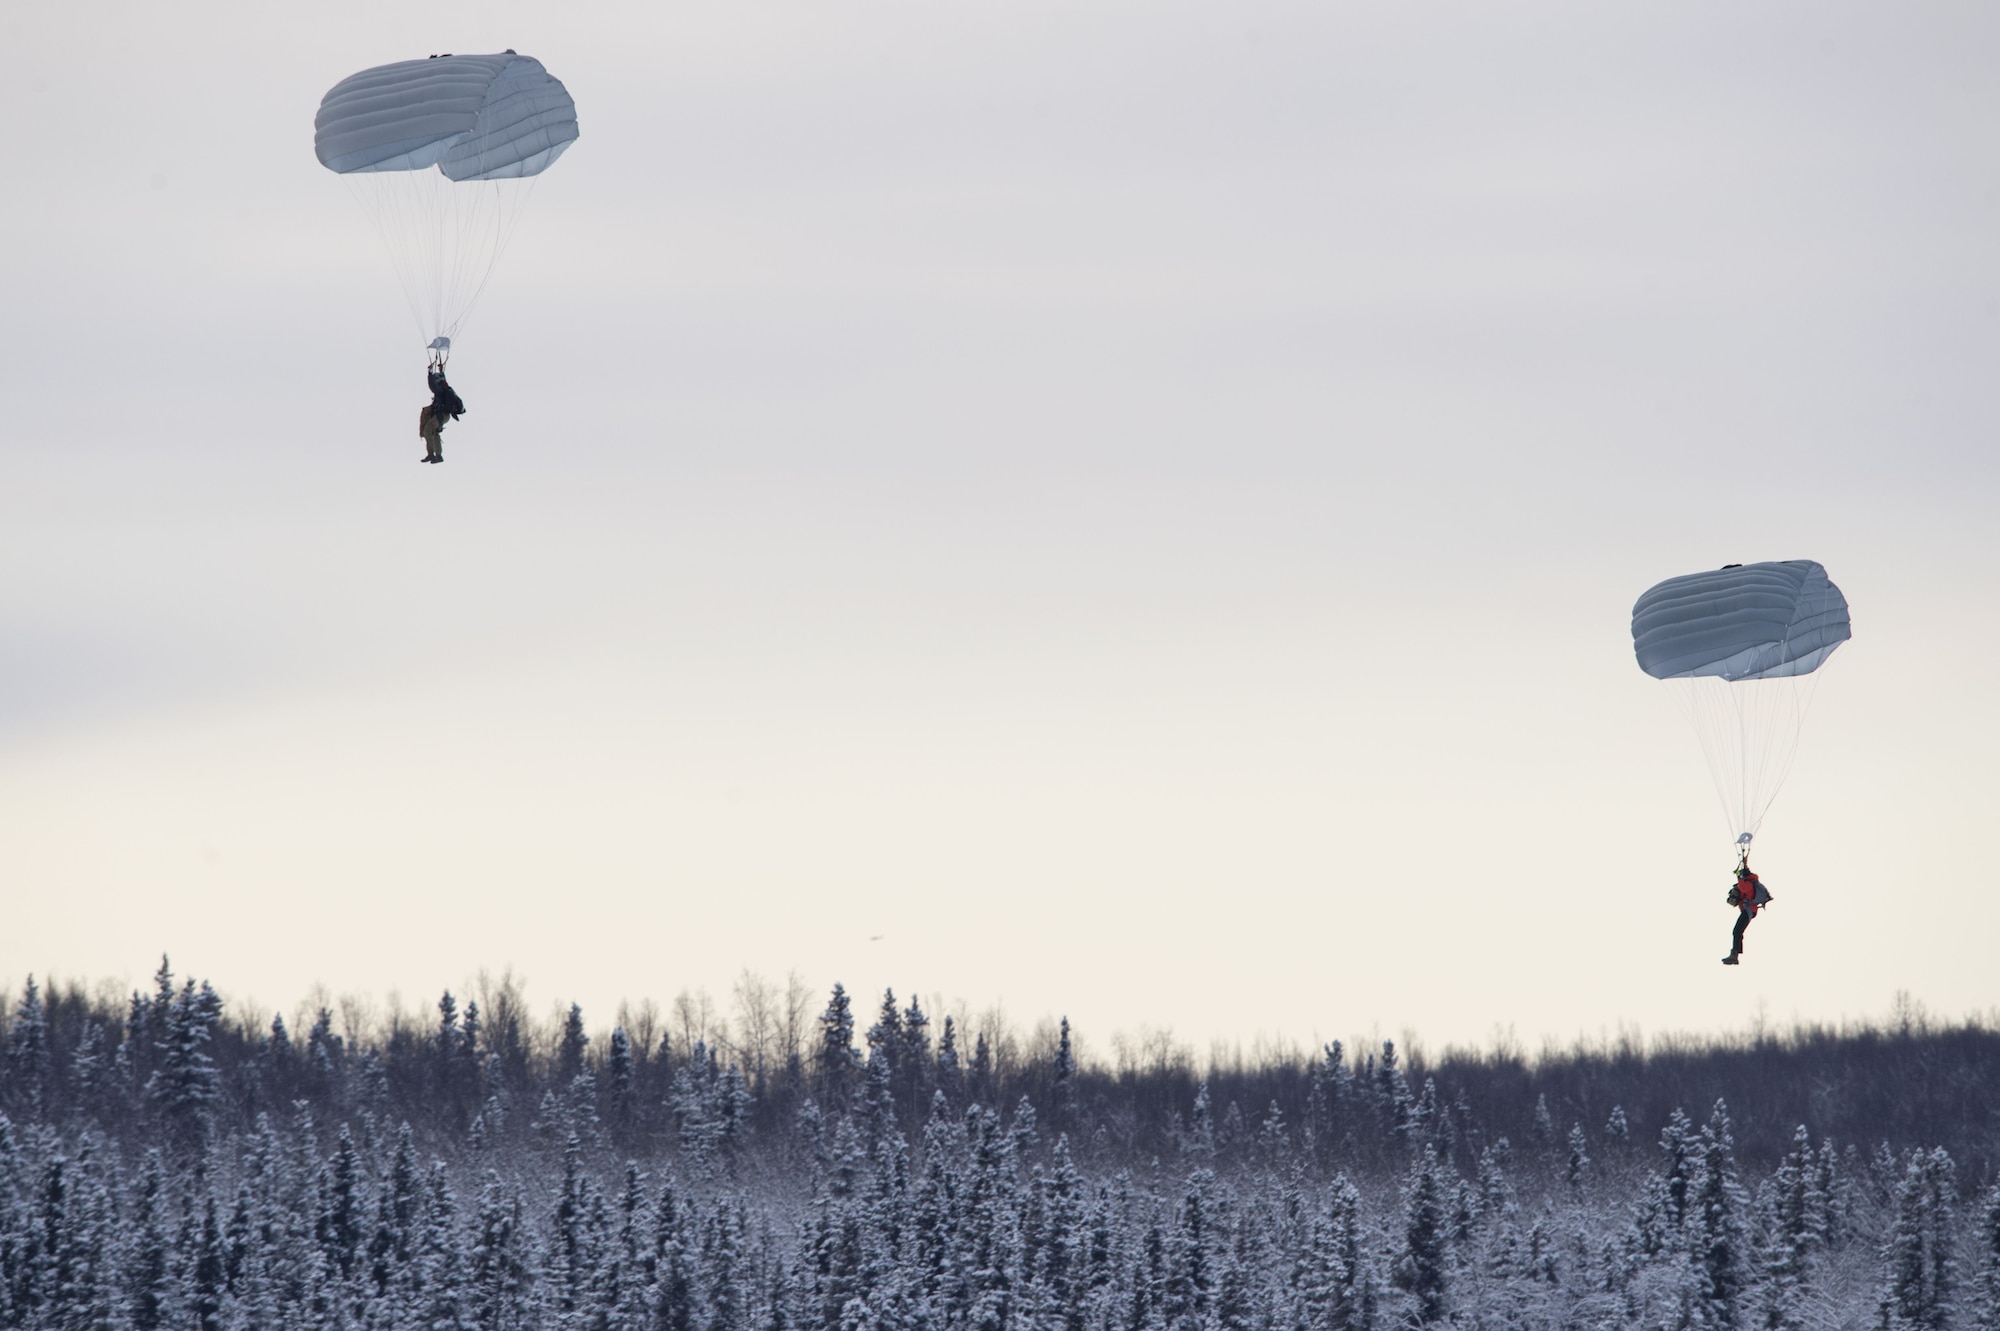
[1985,1307]
[1920,1266]
[28,1059]
[837,1061]
[1422,1268]
[570,1048]
[1716,1225]
[1576,1171]
[1333,1286]
[186,1084]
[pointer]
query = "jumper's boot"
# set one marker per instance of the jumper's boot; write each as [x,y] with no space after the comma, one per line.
[1730,960]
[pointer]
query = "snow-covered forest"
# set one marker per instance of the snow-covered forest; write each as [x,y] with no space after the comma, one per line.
[167,1163]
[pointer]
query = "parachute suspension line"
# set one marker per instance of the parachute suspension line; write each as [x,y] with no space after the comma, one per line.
[1749,732]
[444,238]
[393,212]
[484,237]
[484,213]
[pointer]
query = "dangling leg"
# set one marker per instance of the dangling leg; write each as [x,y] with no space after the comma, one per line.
[1743,918]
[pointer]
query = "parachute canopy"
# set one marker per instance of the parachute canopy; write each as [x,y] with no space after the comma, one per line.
[473,117]
[489,124]
[1751,621]
[1739,647]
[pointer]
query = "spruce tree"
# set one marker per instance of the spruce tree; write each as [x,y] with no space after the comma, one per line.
[979,1075]
[49,1294]
[13,1223]
[836,1058]
[885,1037]
[149,1281]
[1333,1278]
[96,1299]
[1191,1259]
[326,1057]
[186,1085]
[1326,1102]
[1986,1291]
[209,1277]
[1715,1224]
[629,1266]
[1576,1172]
[1793,1235]
[396,1215]
[567,1267]
[1235,1297]
[1392,1093]
[1200,1141]
[1545,1127]
[570,1048]
[1663,1212]
[1148,1282]
[28,1058]
[470,1078]
[446,1065]
[1273,1137]
[937,1219]
[341,1225]
[437,1295]
[1062,1089]
[624,1087]
[497,1278]
[1919,1264]
[914,1066]
[673,1293]
[727,1300]
[1426,1118]
[1422,1264]
[1065,1260]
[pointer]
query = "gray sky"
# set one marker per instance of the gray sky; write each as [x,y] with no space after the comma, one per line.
[1137,503]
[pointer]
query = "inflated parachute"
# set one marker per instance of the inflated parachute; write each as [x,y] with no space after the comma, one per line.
[444,153]
[1740,647]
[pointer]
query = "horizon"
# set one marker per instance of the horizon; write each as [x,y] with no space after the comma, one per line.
[1024,1040]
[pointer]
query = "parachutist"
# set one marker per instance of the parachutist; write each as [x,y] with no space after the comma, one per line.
[445,405]
[1749,895]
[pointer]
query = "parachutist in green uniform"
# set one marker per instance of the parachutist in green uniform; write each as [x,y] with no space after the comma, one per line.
[445,405]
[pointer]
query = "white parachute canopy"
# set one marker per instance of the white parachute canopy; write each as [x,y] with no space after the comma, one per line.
[1741,647]
[444,153]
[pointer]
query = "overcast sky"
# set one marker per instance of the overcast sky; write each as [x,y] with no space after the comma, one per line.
[1136,504]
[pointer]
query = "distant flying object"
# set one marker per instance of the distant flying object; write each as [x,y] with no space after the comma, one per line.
[1740,646]
[444,153]
[876,938]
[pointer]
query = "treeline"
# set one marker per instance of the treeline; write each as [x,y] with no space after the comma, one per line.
[165,1165]
[174,1066]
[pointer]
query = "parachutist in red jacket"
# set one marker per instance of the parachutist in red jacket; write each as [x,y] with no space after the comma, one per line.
[1749,896]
